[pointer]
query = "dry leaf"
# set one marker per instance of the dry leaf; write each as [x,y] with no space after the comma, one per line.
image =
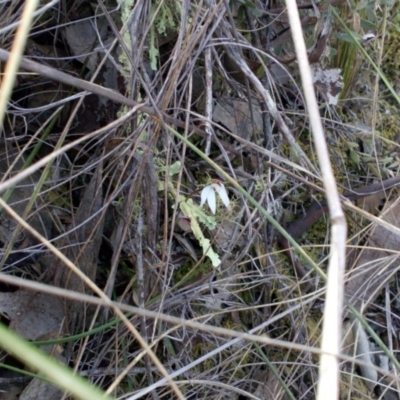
[377,262]
[83,39]
[328,82]
[235,115]
[39,389]
[226,233]
[372,203]
[186,244]
[32,314]
[269,387]
[83,246]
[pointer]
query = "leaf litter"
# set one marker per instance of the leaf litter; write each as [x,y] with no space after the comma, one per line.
[125,207]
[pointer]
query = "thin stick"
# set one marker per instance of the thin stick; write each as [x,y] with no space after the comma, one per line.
[17,49]
[209,100]
[328,385]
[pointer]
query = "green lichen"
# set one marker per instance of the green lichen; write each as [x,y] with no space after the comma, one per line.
[391,51]
[189,271]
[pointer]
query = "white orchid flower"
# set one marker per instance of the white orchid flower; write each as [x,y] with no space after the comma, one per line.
[208,194]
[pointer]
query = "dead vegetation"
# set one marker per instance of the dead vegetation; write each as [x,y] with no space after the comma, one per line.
[120,117]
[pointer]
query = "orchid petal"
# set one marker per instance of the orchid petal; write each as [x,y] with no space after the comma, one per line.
[212,203]
[205,193]
[221,190]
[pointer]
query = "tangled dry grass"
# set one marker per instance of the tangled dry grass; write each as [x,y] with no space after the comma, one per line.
[120,115]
